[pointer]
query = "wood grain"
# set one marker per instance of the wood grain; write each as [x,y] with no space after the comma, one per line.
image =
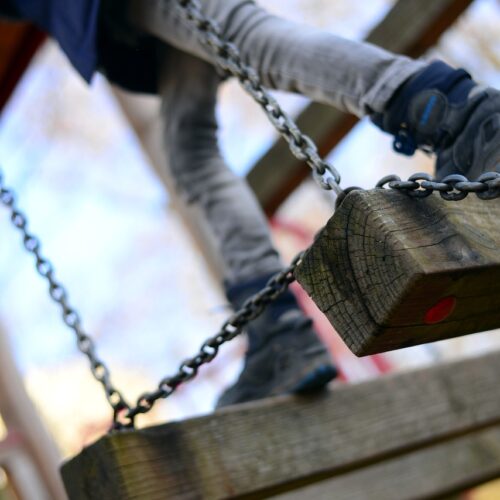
[384,259]
[433,472]
[282,444]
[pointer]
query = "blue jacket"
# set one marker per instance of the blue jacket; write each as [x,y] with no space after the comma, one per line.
[90,32]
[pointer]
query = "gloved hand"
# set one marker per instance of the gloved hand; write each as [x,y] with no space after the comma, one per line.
[475,147]
[443,111]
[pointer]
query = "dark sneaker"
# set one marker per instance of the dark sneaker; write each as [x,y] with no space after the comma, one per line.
[284,353]
[443,111]
[290,359]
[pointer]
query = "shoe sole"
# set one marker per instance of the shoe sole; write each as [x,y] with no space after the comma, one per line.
[315,373]
[316,380]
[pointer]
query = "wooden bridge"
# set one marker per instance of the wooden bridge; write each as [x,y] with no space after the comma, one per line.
[421,434]
[424,434]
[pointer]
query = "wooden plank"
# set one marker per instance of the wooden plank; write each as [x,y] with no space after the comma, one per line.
[433,472]
[410,28]
[390,271]
[281,444]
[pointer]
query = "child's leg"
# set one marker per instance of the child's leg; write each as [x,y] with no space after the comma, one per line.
[284,353]
[353,76]
[225,203]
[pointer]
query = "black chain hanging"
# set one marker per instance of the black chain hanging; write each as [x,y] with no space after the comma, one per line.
[227,56]
[59,295]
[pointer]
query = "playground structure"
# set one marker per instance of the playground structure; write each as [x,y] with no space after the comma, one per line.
[345,443]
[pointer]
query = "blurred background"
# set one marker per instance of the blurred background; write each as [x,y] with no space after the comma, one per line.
[92,193]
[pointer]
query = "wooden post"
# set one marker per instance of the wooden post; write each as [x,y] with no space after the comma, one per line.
[420,434]
[390,271]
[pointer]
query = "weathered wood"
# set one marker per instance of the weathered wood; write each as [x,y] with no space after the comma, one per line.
[384,260]
[411,27]
[279,445]
[443,469]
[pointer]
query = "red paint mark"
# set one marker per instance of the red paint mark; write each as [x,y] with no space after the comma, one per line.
[440,311]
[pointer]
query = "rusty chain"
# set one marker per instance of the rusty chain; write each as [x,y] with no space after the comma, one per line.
[451,188]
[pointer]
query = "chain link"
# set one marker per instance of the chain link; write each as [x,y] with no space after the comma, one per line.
[227,57]
[451,188]
[421,185]
[188,369]
[59,295]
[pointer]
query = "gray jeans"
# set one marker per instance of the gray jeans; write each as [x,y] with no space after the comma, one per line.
[355,77]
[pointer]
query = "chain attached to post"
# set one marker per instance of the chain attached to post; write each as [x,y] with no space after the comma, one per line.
[451,188]
[227,56]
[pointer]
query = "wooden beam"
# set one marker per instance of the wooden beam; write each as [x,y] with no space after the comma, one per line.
[390,271]
[443,469]
[278,445]
[410,28]
[18,44]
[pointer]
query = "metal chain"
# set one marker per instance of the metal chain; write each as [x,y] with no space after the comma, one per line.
[59,295]
[251,309]
[451,188]
[123,413]
[227,57]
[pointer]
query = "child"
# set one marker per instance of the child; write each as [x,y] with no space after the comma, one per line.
[149,46]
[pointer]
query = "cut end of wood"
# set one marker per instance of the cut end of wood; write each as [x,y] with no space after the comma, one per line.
[390,271]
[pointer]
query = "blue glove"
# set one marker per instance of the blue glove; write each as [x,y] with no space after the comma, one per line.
[443,111]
